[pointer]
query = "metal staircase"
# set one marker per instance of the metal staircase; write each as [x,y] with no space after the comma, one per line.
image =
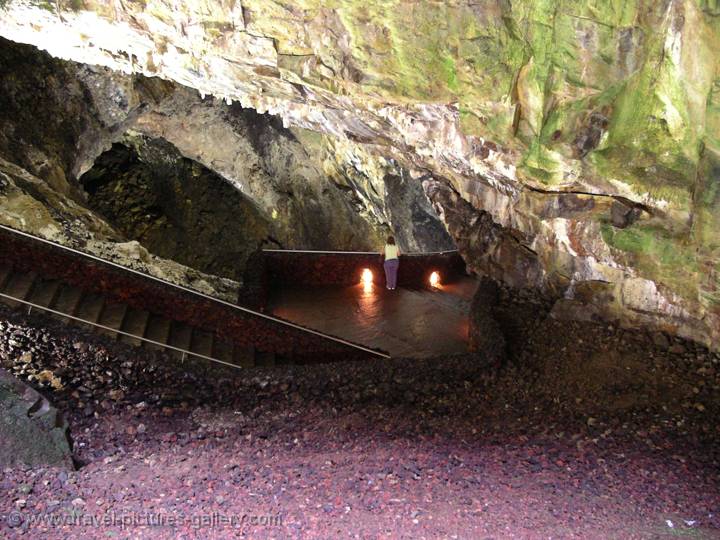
[121,322]
[144,310]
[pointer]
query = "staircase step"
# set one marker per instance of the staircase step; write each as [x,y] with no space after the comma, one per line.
[135,323]
[116,317]
[202,342]
[244,356]
[223,350]
[180,337]
[19,286]
[264,359]
[45,291]
[5,273]
[283,360]
[112,316]
[158,329]
[67,300]
[91,307]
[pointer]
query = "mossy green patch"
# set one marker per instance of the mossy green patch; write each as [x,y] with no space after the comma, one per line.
[643,175]
[451,78]
[706,222]
[710,6]
[655,133]
[712,125]
[543,164]
[47,5]
[75,5]
[160,11]
[409,50]
[658,254]
[611,13]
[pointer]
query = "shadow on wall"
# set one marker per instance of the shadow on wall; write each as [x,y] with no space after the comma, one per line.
[175,207]
[414,221]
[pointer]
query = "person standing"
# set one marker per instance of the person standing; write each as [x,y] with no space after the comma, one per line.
[391,253]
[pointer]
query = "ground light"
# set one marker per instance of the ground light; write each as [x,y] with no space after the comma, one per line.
[435,279]
[367,279]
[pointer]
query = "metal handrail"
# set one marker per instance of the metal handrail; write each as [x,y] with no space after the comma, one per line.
[416,254]
[197,293]
[134,336]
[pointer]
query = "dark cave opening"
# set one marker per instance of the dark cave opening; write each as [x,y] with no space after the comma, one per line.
[175,207]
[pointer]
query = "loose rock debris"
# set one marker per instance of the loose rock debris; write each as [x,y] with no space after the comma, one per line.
[597,437]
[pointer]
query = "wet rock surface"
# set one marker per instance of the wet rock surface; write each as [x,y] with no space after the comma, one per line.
[590,432]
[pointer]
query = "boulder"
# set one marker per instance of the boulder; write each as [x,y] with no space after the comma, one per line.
[32,431]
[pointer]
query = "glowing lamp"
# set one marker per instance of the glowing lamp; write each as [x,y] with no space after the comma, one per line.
[367,279]
[434,279]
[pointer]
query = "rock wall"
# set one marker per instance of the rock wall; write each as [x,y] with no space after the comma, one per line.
[303,184]
[485,335]
[29,204]
[174,207]
[388,194]
[590,131]
[279,170]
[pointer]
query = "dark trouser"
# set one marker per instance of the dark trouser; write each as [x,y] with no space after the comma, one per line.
[391,270]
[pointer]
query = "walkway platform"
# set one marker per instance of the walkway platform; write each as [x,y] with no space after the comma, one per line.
[404,322]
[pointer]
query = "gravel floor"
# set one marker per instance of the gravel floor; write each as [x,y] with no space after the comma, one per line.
[591,432]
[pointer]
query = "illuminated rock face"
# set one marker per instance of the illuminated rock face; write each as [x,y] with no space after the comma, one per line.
[308,191]
[589,132]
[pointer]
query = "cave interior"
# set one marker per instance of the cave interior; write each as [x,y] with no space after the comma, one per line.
[195,329]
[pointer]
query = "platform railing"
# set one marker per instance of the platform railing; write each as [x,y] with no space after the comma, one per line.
[306,267]
[323,252]
[196,293]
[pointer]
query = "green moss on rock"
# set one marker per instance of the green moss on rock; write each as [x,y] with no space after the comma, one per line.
[667,258]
